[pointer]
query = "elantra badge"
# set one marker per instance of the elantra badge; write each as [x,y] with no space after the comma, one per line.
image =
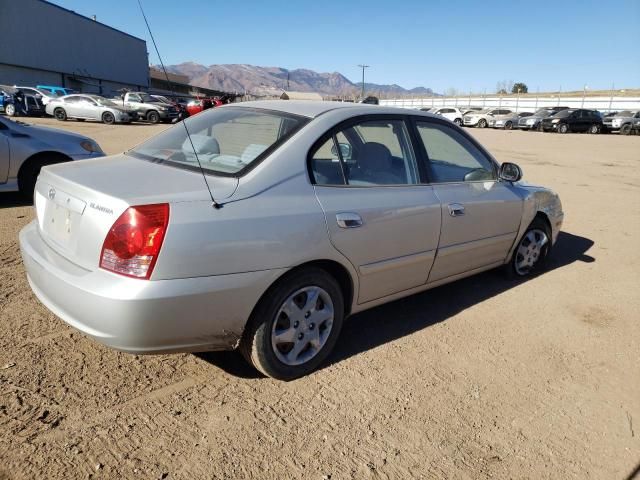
[52,193]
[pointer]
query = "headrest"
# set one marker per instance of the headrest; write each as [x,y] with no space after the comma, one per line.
[375,156]
[204,145]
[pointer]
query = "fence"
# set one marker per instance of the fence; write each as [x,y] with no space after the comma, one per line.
[528,103]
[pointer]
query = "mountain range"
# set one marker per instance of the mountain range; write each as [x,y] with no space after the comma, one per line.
[273,80]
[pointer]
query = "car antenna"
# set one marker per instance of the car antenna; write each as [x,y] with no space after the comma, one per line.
[215,204]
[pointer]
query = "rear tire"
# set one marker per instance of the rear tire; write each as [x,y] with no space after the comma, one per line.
[10,110]
[458,122]
[594,129]
[508,126]
[301,346]
[60,114]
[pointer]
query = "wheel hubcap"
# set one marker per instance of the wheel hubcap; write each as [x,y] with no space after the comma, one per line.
[302,325]
[532,247]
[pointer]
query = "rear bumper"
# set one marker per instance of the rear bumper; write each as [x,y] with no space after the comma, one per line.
[140,316]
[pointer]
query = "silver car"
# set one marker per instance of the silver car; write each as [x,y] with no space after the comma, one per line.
[273,222]
[508,122]
[25,148]
[88,107]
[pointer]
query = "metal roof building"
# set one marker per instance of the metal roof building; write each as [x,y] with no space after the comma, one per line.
[44,44]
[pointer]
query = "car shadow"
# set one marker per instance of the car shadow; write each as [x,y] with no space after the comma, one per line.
[397,319]
[13,199]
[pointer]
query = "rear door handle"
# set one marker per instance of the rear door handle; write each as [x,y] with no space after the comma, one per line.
[348,220]
[456,209]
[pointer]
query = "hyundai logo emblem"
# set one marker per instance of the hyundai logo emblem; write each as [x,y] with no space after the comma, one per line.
[52,193]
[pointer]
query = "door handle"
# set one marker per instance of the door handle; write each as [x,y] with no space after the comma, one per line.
[348,220]
[456,209]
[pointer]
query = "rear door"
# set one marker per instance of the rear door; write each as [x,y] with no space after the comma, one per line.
[379,213]
[480,215]
[72,106]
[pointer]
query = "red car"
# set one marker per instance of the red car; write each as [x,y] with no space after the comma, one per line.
[198,105]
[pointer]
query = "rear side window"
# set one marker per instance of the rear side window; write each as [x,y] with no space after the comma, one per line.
[452,157]
[369,153]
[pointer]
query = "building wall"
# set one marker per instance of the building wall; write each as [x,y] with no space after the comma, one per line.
[52,40]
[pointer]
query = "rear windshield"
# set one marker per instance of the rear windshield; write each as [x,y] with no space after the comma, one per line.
[227,140]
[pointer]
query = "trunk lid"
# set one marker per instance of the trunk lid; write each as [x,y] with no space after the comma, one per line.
[77,202]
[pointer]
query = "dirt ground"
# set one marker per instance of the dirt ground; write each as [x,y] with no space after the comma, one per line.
[483,378]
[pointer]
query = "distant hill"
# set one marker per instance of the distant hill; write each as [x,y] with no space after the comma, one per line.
[271,80]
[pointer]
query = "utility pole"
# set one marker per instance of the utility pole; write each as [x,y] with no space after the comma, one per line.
[584,94]
[363,66]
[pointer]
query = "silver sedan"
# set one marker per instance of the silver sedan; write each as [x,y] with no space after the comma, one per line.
[25,148]
[273,222]
[88,107]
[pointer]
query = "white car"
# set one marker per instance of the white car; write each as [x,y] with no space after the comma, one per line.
[482,118]
[450,113]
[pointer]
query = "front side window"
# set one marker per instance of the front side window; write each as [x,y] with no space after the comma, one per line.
[226,140]
[368,153]
[452,157]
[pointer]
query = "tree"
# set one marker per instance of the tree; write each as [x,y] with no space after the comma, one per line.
[519,87]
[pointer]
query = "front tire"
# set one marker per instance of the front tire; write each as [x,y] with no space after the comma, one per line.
[295,325]
[482,123]
[625,129]
[153,117]
[108,118]
[60,114]
[563,128]
[532,251]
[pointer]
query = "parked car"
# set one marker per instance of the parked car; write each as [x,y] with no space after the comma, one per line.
[268,256]
[42,95]
[465,110]
[617,122]
[632,128]
[197,105]
[56,91]
[573,120]
[25,148]
[147,108]
[17,104]
[88,107]
[450,113]
[5,96]
[481,118]
[177,103]
[534,122]
[507,122]
[371,100]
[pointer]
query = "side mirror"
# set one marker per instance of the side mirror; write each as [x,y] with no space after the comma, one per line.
[510,172]
[345,150]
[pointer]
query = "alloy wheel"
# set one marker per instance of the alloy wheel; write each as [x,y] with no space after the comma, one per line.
[302,325]
[531,250]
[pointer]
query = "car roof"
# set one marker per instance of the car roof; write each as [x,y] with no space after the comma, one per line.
[313,109]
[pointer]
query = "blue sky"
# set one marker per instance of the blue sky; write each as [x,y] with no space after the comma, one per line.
[439,44]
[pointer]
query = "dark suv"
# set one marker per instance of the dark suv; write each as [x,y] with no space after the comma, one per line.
[534,122]
[573,120]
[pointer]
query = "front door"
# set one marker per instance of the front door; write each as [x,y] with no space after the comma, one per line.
[4,154]
[379,215]
[480,215]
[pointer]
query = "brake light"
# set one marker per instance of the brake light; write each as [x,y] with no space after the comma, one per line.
[132,245]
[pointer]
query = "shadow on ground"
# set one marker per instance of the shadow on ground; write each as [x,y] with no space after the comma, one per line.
[13,199]
[403,317]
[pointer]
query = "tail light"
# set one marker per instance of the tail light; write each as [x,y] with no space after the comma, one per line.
[132,245]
